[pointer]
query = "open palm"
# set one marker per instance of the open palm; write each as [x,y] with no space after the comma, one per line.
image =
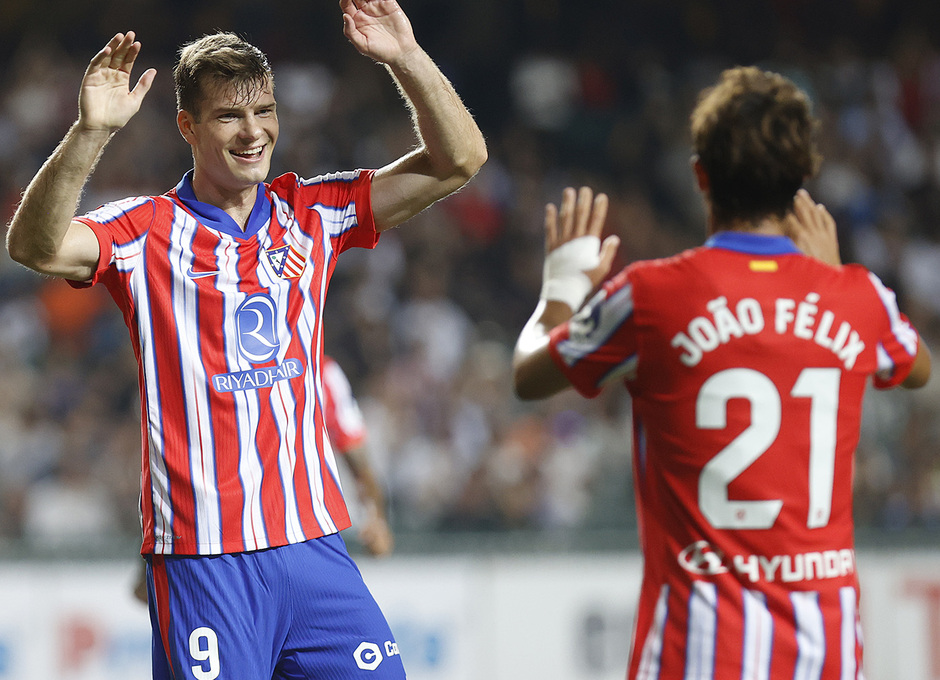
[378,28]
[581,214]
[106,101]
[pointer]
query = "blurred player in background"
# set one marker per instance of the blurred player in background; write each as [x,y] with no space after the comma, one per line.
[222,282]
[347,430]
[747,360]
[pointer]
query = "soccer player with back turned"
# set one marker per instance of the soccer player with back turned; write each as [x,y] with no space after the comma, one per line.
[747,360]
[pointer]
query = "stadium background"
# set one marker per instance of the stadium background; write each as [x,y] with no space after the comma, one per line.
[566,93]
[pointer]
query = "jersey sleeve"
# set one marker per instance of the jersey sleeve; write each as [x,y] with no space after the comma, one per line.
[119,228]
[344,422]
[897,346]
[343,203]
[598,345]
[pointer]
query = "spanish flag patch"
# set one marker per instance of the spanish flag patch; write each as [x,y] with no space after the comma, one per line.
[763,265]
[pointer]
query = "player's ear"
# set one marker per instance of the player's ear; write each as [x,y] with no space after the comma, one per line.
[701,177]
[185,121]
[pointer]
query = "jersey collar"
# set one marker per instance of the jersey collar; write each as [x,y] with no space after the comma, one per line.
[218,219]
[753,244]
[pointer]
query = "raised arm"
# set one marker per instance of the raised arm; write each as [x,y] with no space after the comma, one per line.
[42,234]
[451,148]
[813,230]
[576,262]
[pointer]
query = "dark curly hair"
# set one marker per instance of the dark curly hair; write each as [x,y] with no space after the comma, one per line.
[754,135]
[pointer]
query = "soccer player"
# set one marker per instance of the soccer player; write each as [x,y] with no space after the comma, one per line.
[346,428]
[222,283]
[746,360]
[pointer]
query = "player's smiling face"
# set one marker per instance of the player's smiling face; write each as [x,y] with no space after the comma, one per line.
[233,137]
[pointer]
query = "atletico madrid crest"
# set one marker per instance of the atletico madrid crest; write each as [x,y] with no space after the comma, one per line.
[286,262]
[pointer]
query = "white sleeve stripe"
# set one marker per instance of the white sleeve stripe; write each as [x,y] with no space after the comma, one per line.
[111,211]
[625,369]
[336,221]
[594,325]
[902,330]
[885,362]
[125,255]
[343,176]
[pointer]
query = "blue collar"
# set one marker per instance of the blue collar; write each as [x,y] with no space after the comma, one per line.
[752,244]
[218,219]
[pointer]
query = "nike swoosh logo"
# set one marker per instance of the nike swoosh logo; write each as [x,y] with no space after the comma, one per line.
[200,275]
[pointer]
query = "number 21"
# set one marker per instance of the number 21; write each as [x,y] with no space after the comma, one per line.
[821,386]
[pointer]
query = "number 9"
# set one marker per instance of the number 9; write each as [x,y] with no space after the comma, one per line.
[210,653]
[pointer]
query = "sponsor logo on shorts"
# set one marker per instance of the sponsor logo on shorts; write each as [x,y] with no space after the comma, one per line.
[368,655]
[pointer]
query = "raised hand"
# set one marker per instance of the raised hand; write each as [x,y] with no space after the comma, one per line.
[576,262]
[813,229]
[379,29]
[106,102]
[581,214]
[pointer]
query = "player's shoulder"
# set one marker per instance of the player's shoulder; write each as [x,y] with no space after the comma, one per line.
[291,180]
[855,276]
[122,208]
[284,184]
[340,177]
[663,268]
[290,184]
[679,259]
[855,271]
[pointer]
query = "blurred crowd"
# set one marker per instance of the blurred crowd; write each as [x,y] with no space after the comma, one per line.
[424,324]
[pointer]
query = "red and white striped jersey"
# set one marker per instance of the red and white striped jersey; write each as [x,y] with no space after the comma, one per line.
[341,413]
[228,332]
[747,363]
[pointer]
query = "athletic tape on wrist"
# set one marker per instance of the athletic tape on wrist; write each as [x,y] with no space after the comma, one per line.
[563,277]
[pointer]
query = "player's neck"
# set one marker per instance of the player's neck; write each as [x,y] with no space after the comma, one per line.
[768,226]
[238,203]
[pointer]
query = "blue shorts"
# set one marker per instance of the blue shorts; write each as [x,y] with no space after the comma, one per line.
[298,611]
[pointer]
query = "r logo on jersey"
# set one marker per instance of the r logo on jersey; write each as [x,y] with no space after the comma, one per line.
[256,330]
[286,262]
[256,323]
